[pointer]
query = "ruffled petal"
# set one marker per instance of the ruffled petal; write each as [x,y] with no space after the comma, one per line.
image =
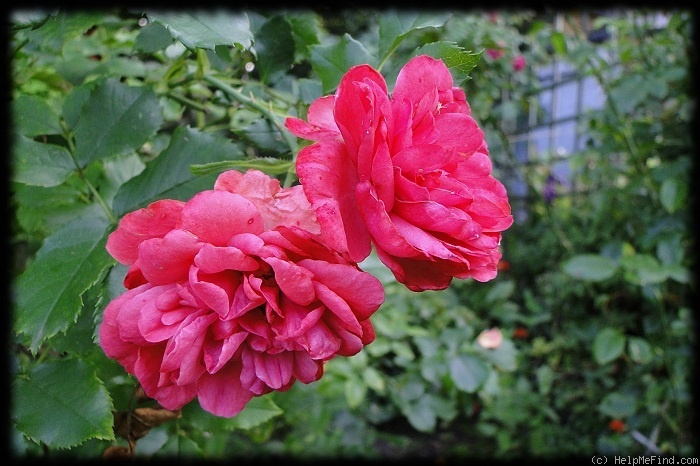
[155,221]
[168,259]
[216,216]
[329,180]
[222,393]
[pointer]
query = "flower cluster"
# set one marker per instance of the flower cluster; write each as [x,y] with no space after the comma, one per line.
[231,295]
[248,287]
[409,174]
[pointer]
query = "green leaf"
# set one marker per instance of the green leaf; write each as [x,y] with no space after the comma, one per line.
[179,446]
[590,267]
[49,292]
[545,379]
[331,62]
[618,405]
[116,120]
[169,176]
[62,403]
[558,43]
[677,272]
[305,30]
[643,269]
[459,60]
[468,372]
[673,194]
[394,26]
[639,350]
[263,134]
[206,29]
[274,48]
[421,414]
[64,27]
[33,116]
[373,379]
[504,356]
[500,291]
[38,164]
[269,165]
[152,38]
[258,411]
[608,345]
[355,391]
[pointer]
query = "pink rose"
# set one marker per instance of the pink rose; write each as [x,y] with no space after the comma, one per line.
[495,53]
[519,63]
[408,173]
[232,295]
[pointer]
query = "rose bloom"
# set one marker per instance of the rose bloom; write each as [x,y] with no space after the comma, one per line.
[232,295]
[519,63]
[408,173]
[495,53]
[490,339]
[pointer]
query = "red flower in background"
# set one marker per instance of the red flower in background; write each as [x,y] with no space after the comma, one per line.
[232,295]
[495,53]
[408,173]
[519,63]
[617,425]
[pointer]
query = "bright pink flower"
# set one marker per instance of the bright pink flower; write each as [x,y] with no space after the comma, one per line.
[519,63]
[410,174]
[232,295]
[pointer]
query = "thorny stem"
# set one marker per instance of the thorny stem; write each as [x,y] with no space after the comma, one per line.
[267,113]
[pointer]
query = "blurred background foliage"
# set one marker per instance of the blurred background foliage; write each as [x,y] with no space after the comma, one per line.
[591,311]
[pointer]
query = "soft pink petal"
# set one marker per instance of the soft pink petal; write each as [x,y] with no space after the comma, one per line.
[168,259]
[416,275]
[217,353]
[216,216]
[420,159]
[354,102]
[421,75]
[361,290]
[459,132]
[379,224]
[111,341]
[213,259]
[306,369]
[435,217]
[329,180]
[278,206]
[294,281]
[134,228]
[215,291]
[222,393]
[338,306]
[275,370]
[147,370]
[187,341]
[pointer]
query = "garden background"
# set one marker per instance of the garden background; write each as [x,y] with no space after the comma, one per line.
[587,115]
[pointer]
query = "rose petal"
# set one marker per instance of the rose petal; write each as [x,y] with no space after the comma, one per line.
[328,178]
[277,206]
[216,216]
[361,290]
[134,228]
[168,259]
[222,393]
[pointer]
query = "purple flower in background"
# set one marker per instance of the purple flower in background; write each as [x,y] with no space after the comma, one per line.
[550,189]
